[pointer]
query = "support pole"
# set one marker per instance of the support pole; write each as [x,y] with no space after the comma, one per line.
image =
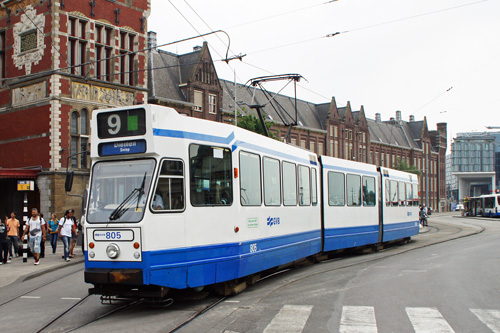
[25,219]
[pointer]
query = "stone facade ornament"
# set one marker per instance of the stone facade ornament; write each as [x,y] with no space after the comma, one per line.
[29,43]
[103,95]
[28,94]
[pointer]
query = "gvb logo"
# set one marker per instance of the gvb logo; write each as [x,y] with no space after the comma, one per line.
[273,221]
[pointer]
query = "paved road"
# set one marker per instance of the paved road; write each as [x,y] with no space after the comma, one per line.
[448,287]
[430,284]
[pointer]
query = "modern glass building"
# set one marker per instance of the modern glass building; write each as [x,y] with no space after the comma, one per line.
[475,162]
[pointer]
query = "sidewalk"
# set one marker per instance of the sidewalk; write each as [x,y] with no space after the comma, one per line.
[19,271]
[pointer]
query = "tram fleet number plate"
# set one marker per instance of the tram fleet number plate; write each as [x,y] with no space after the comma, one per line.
[113,235]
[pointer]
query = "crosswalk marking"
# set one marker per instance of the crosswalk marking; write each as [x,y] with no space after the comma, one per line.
[358,319]
[290,319]
[428,320]
[490,318]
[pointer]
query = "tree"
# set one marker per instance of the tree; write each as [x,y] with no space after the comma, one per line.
[403,166]
[252,123]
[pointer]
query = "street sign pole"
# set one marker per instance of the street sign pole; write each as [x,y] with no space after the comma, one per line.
[25,186]
[25,219]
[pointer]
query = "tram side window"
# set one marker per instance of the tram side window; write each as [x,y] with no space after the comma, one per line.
[489,202]
[304,186]
[415,194]
[369,196]
[272,184]
[401,193]
[250,184]
[336,189]
[169,192]
[353,190]
[210,175]
[409,194]
[314,187]
[289,184]
[394,193]
[387,192]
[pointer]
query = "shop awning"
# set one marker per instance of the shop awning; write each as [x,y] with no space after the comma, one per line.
[19,173]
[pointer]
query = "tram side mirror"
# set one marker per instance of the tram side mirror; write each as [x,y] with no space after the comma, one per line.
[69,181]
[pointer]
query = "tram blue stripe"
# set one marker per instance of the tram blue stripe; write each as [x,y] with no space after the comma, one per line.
[193,136]
[227,141]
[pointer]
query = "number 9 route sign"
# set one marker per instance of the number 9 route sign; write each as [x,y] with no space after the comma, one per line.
[121,123]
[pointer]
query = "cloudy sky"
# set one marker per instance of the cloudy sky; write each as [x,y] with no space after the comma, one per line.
[434,58]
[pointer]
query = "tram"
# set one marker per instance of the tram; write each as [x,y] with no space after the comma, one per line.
[178,202]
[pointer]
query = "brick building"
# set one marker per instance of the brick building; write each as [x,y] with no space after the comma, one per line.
[327,129]
[59,60]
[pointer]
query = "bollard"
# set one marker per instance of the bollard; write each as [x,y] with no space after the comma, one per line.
[25,219]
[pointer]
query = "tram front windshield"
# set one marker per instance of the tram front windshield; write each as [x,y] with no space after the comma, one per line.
[119,190]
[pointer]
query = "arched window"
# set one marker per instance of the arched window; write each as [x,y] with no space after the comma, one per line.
[79,138]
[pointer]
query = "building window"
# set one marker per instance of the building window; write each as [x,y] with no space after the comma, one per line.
[103,51]
[198,100]
[212,103]
[127,57]
[2,56]
[77,46]
[79,139]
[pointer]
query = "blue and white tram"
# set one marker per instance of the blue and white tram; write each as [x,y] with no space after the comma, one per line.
[179,202]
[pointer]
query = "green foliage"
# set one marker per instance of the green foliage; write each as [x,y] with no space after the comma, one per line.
[403,166]
[252,123]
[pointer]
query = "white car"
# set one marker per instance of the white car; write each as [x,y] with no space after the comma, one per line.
[459,207]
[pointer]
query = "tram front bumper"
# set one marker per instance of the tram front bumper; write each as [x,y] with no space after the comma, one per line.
[99,276]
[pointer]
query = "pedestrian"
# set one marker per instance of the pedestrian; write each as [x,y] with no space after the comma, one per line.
[74,237]
[53,226]
[67,226]
[42,243]
[422,217]
[4,242]
[13,235]
[36,233]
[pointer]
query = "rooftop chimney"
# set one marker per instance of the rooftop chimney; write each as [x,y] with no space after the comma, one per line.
[378,118]
[412,118]
[197,48]
[398,116]
[392,119]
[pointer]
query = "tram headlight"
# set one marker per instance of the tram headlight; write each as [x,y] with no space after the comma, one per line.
[91,254]
[137,255]
[113,251]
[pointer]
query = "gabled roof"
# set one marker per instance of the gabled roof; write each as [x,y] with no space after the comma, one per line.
[165,75]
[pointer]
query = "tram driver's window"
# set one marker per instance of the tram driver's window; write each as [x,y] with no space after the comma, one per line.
[169,192]
[211,175]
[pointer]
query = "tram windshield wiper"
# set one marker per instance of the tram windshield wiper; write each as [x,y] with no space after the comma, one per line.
[125,205]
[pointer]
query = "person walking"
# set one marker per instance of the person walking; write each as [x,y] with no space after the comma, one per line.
[4,242]
[53,226]
[67,226]
[36,233]
[13,235]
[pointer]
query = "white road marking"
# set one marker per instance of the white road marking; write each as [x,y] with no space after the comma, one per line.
[71,298]
[490,318]
[30,297]
[428,320]
[290,319]
[358,319]
[231,301]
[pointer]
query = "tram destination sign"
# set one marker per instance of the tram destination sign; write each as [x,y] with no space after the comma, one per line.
[121,123]
[122,148]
